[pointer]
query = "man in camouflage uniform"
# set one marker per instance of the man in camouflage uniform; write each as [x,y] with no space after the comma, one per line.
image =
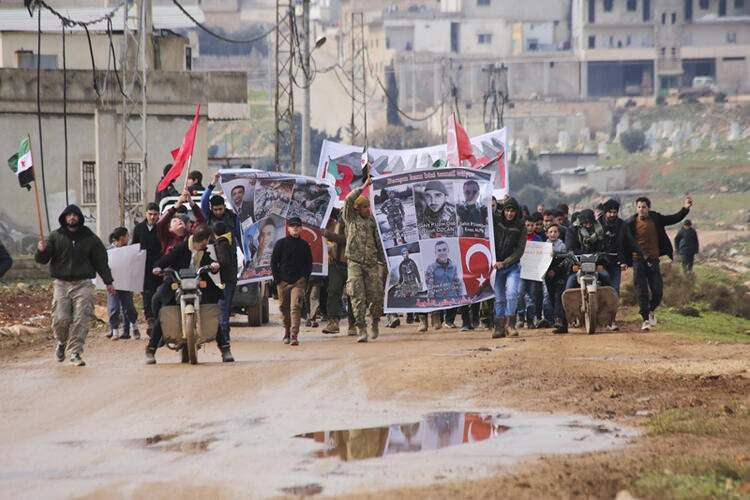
[363,255]
[394,211]
[437,218]
[409,281]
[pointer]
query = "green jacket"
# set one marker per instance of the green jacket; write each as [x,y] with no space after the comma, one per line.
[74,256]
[362,242]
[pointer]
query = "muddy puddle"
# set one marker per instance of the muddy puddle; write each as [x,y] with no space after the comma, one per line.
[512,434]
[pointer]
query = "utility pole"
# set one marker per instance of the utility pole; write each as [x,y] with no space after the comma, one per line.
[495,98]
[305,160]
[285,147]
[358,78]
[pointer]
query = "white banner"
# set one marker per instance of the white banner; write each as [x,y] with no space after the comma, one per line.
[340,163]
[264,201]
[536,259]
[128,265]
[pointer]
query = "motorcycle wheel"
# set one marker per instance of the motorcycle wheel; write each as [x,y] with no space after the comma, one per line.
[190,338]
[589,318]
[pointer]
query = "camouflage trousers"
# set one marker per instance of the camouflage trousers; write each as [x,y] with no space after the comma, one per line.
[365,289]
[72,311]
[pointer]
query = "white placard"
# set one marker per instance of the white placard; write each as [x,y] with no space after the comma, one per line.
[536,260]
[128,265]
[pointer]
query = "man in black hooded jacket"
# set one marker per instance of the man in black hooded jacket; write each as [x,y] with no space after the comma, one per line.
[75,256]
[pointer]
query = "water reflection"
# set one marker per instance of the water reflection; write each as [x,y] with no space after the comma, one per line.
[434,431]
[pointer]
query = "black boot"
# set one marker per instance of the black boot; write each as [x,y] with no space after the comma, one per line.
[226,355]
[500,328]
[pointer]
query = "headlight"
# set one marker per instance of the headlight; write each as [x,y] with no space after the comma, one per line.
[588,267]
[244,289]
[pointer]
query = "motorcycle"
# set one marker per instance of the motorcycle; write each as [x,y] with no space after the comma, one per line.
[591,304]
[190,324]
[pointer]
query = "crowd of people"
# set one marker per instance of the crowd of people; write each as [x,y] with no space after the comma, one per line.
[179,238]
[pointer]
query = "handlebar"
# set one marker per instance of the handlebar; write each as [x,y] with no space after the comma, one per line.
[176,275]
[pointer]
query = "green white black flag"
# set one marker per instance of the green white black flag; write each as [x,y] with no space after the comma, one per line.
[20,163]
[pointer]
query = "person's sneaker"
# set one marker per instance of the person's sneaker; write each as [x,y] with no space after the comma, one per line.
[135,330]
[519,324]
[308,323]
[76,360]
[467,327]
[116,333]
[450,325]
[351,331]
[394,322]
[652,318]
[559,329]
[110,334]
[287,340]
[544,324]
[409,318]
[612,327]
[422,326]
[294,341]
[362,335]
[125,336]
[150,358]
[646,326]
[226,356]
[60,352]
[314,324]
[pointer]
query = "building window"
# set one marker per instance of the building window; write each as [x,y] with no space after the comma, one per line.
[674,17]
[484,38]
[628,40]
[611,41]
[674,52]
[739,4]
[592,11]
[188,58]
[608,5]
[646,10]
[28,60]
[483,3]
[722,8]
[532,44]
[88,183]
[592,41]
[663,51]
[703,4]
[688,10]
[664,18]
[731,37]
[632,5]
[133,183]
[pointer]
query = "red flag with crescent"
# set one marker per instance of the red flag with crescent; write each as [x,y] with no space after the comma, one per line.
[476,261]
[314,237]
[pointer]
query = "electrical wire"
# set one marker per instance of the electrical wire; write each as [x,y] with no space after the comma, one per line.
[114,59]
[93,62]
[73,22]
[39,110]
[222,37]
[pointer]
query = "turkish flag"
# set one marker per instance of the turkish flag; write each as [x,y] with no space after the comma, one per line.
[183,154]
[314,237]
[476,261]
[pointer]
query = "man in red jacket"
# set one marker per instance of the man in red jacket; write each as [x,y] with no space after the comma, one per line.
[172,230]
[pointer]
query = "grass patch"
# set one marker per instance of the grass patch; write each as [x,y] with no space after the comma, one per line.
[689,486]
[701,422]
[710,325]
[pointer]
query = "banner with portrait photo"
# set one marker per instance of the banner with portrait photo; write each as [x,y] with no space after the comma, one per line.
[264,202]
[436,229]
[342,163]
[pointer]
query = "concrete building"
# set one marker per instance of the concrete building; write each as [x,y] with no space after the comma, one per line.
[622,45]
[553,161]
[94,130]
[601,179]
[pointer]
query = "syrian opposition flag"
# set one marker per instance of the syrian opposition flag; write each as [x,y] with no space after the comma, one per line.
[183,153]
[21,165]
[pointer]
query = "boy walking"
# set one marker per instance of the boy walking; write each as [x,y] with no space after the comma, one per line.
[120,305]
[291,265]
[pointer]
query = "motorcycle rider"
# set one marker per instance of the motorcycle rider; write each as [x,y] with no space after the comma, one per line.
[586,236]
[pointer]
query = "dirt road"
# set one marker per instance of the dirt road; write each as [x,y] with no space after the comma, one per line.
[120,429]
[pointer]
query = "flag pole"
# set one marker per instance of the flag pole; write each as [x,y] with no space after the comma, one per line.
[36,192]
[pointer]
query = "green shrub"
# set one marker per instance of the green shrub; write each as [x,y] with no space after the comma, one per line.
[633,140]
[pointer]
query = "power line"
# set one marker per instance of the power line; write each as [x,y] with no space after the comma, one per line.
[73,22]
[222,37]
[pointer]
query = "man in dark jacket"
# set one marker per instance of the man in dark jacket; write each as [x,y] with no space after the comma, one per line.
[190,254]
[291,264]
[215,210]
[647,229]
[617,239]
[5,260]
[75,256]
[586,236]
[144,234]
[687,246]
[226,254]
[510,242]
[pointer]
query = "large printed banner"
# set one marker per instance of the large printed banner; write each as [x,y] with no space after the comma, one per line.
[264,201]
[341,163]
[436,229]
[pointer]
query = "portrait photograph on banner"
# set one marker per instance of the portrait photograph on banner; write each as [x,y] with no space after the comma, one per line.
[396,215]
[265,201]
[443,256]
